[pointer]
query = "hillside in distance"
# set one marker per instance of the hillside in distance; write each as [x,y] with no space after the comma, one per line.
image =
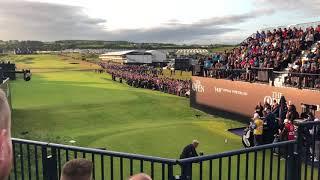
[94,44]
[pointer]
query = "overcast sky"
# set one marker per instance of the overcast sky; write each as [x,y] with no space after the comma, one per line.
[174,21]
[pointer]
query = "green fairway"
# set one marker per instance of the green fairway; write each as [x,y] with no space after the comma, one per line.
[66,102]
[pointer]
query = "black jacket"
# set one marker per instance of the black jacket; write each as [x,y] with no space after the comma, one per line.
[188,151]
[270,123]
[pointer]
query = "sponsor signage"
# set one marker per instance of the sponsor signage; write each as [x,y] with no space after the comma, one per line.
[242,97]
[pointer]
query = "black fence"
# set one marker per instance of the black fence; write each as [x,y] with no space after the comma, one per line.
[288,160]
[41,160]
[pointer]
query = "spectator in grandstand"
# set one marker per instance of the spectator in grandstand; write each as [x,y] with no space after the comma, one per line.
[140,176]
[257,126]
[188,152]
[5,137]
[77,169]
[274,49]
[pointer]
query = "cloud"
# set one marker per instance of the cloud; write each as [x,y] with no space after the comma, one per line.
[26,20]
[43,21]
[307,7]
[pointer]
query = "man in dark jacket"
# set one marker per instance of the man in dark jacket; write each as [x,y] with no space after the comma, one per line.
[188,152]
[270,127]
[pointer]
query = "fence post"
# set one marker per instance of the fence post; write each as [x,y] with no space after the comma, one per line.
[49,164]
[292,164]
[170,172]
[44,160]
[52,165]
[271,77]
[186,171]
[299,153]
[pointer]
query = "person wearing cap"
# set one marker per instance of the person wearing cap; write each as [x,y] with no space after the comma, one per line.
[258,129]
[188,152]
[287,132]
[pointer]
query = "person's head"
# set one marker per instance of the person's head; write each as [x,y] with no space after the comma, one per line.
[77,169]
[255,116]
[286,121]
[5,137]
[267,110]
[275,101]
[140,176]
[195,143]
[310,116]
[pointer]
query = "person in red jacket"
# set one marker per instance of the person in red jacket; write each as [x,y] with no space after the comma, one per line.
[287,133]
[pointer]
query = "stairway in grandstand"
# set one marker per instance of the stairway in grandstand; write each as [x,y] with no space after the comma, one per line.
[280,78]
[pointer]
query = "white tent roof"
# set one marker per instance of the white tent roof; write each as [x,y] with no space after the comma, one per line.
[118,53]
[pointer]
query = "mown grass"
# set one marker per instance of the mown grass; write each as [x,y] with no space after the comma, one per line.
[66,102]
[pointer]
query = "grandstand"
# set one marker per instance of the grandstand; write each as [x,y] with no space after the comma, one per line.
[277,58]
[286,52]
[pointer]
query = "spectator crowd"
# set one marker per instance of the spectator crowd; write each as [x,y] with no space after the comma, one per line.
[277,49]
[274,123]
[147,77]
[308,67]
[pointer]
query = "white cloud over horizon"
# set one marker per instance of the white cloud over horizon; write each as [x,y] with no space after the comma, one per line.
[47,21]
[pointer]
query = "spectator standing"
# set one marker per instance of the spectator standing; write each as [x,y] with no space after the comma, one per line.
[287,133]
[270,126]
[258,129]
[259,109]
[292,113]
[188,152]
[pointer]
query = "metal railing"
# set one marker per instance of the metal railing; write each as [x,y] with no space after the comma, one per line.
[42,160]
[303,80]
[289,160]
[300,25]
[263,75]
